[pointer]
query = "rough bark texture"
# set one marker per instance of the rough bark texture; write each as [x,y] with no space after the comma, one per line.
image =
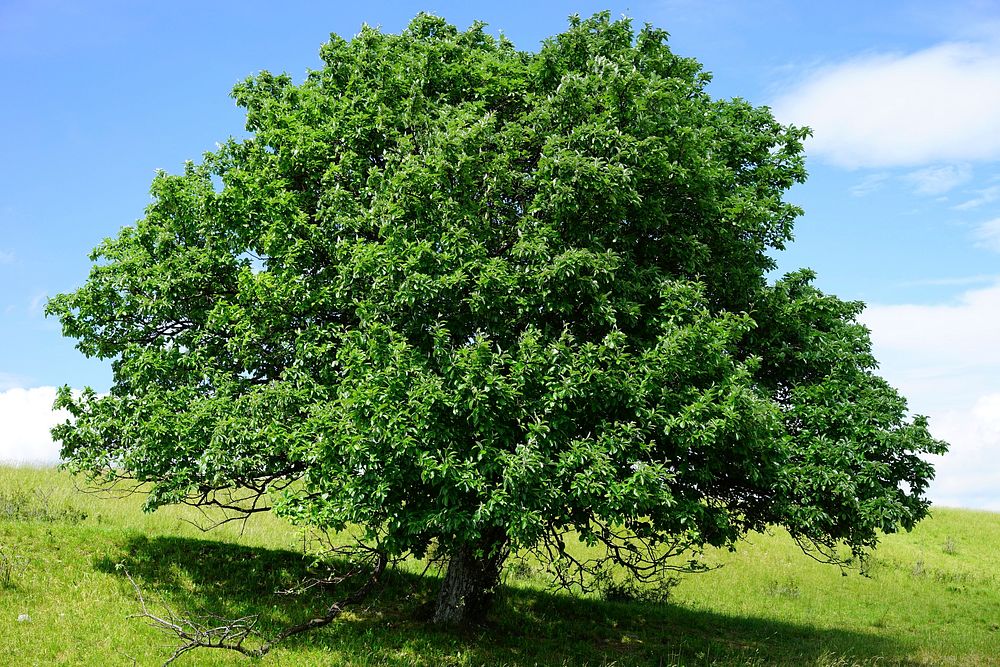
[471,581]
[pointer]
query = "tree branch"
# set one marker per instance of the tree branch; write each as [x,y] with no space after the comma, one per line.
[214,632]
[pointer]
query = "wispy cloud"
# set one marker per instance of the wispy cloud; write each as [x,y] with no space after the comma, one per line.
[937,105]
[983,196]
[37,305]
[952,281]
[10,381]
[988,235]
[6,257]
[933,181]
[869,184]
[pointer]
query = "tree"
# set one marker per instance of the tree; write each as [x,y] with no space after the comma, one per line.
[483,301]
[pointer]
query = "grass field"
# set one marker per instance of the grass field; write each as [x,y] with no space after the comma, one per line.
[932,597]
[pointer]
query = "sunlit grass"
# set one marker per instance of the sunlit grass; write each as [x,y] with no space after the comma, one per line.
[931,597]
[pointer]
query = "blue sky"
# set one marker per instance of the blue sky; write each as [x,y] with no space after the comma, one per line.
[902,205]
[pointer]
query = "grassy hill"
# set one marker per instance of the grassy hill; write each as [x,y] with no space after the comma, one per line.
[931,597]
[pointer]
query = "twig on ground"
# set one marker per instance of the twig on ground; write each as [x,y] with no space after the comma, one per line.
[232,634]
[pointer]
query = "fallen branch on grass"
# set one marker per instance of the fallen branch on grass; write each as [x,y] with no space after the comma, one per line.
[216,632]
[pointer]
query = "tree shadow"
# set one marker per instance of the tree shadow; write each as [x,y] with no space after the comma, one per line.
[199,577]
[528,627]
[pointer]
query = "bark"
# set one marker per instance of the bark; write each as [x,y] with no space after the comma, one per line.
[471,581]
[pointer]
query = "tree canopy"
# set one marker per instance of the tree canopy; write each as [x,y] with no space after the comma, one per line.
[486,300]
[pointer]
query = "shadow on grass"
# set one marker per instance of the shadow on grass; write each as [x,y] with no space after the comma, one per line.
[529,627]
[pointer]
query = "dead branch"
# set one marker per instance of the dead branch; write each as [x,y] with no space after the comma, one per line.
[214,632]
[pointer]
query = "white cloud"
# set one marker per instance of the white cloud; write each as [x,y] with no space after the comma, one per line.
[869,184]
[6,257]
[988,234]
[945,358]
[932,181]
[965,332]
[936,105]
[10,381]
[952,281]
[26,415]
[37,305]
[984,196]
[969,475]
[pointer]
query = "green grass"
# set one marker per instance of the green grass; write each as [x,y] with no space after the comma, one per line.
[932,597]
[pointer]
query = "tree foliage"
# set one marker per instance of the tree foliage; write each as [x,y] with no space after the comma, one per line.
[473,297]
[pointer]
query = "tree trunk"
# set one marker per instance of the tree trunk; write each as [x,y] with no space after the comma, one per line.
[471,581]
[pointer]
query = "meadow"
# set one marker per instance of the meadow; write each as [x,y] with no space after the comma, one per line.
[930,597]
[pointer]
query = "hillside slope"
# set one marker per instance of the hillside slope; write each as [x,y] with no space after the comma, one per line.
[931,597]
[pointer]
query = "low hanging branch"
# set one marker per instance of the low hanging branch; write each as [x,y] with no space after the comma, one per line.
[215,632]
[645,561]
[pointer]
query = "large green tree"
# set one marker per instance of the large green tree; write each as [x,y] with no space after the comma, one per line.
[480,300]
